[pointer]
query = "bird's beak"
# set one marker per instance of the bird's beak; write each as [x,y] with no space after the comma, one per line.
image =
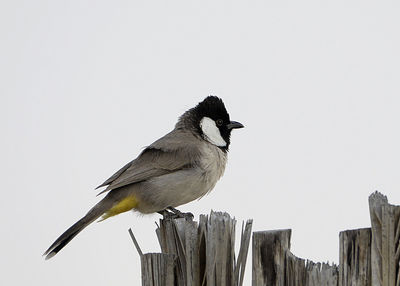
[234,125]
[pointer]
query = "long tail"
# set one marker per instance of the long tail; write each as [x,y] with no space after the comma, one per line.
[100,208]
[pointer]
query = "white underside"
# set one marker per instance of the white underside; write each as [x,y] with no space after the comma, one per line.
[211,132]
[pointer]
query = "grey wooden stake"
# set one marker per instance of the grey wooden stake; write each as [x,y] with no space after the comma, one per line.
[158,269]
[244,248]
[355,257]
[177,236]
[296,272]
[269,251]
[321,274]
[299,272]
[220,249]
[275,265]
[135,242]
[205,250]
[202,253]
[385,246]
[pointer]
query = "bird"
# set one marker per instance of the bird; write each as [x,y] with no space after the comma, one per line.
[182,166]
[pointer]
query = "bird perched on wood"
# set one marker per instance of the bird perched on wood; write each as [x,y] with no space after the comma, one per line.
[178,168]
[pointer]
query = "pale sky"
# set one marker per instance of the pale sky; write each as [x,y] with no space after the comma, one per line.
[85,85]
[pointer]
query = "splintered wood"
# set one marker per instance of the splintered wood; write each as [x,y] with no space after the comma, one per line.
[275,265]
[355,257]
[269,251]
[199,254]
[204,251]
[385,248]
[158,269]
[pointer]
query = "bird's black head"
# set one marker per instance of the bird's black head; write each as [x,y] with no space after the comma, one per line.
[211,121]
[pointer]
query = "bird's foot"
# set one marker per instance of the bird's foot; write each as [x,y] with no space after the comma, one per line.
[172,213]
[188,216]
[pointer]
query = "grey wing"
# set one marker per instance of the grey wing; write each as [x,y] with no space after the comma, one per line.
[116,175]
[175,151]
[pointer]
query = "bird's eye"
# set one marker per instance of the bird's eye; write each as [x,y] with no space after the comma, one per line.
[219,122]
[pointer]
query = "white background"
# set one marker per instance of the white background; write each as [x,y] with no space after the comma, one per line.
[85,85]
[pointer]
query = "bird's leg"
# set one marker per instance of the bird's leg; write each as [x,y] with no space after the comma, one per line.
[165,213]
[172,213]
[178,213]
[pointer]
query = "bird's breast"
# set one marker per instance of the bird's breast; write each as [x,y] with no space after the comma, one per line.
[212,162]
[183,186]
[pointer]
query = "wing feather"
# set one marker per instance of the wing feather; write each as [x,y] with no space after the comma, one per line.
[175,151]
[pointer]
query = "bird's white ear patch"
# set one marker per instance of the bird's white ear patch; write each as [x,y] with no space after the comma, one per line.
[211,132]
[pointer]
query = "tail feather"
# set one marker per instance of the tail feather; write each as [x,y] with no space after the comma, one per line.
[76,228]
[66,237]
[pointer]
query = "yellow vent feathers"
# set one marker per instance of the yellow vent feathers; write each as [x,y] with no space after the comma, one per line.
[125,205]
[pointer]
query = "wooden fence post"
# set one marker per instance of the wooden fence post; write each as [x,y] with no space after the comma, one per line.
[385,246]
[205,251]
[158,269]
[355,257]
[275,265]
[321,274]
[198,254]
[269,250]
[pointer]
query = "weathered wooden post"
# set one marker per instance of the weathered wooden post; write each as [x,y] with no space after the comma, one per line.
[385,246]
[275,265]
[196,254]
[269,251]
[158,269]
[355,257]
[199,254]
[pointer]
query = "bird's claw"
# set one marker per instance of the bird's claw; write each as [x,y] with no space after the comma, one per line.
[172,213]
